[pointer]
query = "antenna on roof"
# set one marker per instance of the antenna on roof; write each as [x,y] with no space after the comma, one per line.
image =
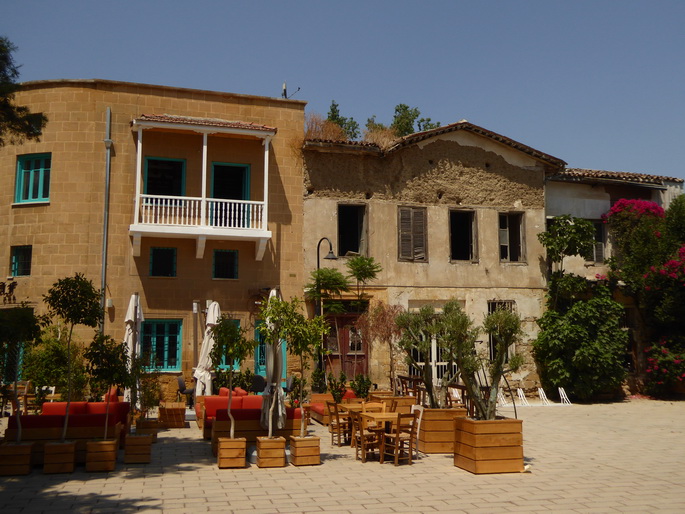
[285,92]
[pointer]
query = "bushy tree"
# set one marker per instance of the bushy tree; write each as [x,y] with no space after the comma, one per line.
[349,126]
[17,122]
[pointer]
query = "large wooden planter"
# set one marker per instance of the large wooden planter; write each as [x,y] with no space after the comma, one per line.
[494,446]
[271,452]
[59,457]
[172,414]
[101,455]
[15,458]
[305,451]
[148,427]
[138,449]
[436,434]
[231,452]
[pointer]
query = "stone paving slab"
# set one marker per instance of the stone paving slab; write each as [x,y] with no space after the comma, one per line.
[622,457]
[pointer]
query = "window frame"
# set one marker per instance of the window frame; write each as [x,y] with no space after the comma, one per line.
[15,260]
[44,177]
[247,175]
[412,225]
[153,250]
[168,159]
[236,267]
[521,237]
[599,248]
[166,323]
[473,234]
[361,229]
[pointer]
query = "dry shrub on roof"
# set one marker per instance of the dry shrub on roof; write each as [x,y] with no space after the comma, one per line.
[318,127]
[383,137]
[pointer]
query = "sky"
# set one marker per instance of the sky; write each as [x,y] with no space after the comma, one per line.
[597,83]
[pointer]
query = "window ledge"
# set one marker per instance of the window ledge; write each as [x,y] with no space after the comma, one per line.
[31,204]
[505,263]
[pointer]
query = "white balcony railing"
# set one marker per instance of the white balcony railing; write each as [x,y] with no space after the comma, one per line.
[184,211]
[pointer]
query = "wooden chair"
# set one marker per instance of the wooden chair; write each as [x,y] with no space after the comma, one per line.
[373,407]
[419,409]
[367,438]
[400,443]
[339,426]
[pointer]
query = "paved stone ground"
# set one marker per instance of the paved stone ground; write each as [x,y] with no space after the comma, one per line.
[624,457]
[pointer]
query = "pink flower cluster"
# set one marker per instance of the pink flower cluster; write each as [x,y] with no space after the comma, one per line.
[673,269]
[638,207]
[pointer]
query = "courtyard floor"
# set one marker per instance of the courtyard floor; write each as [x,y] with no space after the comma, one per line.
[621,457]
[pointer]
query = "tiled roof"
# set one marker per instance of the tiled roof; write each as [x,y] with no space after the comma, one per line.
[205,122]
[579,174]
[365,144]
[465,125]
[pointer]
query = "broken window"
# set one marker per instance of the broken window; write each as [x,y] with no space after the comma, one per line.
[597,254]
[494,305]
[511,237]
[462,236]
[412,234]
[351,230]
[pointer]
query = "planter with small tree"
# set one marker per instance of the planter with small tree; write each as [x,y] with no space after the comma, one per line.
[107,367]
[149,395]
[76,301]
[418,332]
[488,443]
[17,326]
[231,348]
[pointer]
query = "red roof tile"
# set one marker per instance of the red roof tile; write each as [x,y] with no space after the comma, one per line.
[205,122]
[579,174]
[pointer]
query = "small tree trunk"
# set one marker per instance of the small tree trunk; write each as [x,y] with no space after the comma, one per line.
[66,414]
[230,398]
[107,412]
[303,431]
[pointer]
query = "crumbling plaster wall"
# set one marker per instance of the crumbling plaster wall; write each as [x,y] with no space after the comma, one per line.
[443,174]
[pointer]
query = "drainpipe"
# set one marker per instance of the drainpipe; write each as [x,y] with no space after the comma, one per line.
[105,218]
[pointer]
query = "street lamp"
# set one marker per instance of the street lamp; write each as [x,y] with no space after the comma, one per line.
[331,257]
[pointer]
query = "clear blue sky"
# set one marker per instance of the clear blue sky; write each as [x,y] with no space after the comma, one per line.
[597,83]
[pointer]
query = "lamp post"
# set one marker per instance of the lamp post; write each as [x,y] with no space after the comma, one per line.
[331,257]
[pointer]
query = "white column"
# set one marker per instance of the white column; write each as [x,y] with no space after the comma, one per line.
[203,206]
[139,175]
[265,211]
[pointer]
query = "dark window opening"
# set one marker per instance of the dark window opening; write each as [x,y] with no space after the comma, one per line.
[231,182]
[351,220]
[462,247]
[511,237]
[162,262]
[226,264]
[165,177]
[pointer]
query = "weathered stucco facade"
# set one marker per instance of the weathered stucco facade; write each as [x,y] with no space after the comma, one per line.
[64,229]
[475,192]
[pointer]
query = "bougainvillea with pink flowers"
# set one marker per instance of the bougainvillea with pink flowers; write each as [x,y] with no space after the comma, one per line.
[665,365]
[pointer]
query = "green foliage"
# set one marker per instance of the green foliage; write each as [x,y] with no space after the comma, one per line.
[567,236]
[107,365]
[319,380]
[337,386]
[149,390]
[349,126]
[46,364]
[17,123]
[362,270]
[75,300]
[361,385]
[18,327]
[298,394]
[582,349]
[405,121]
[665,365]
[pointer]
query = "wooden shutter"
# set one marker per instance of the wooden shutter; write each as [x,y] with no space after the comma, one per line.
[405,234]
[419,234]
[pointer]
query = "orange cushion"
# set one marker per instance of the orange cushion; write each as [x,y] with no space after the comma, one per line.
[239,391]
[223,391]
[252,402]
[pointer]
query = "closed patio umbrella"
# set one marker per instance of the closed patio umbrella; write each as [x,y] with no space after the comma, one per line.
[273,403]
[134,319]
[204,365]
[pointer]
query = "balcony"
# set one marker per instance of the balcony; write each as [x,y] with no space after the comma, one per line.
[200,217]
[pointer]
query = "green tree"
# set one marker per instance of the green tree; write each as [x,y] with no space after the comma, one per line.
[406,121]
[76,301]
[325,287]
[17,122]
[230,348]
[19,327]
[567,236]
[363,270]
[349,125]
[107,367]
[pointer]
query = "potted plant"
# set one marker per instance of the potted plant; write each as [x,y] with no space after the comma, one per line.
[76,301]
[148,397]
[486,444]
[231,348]
[418,332]
[361,385]
[107,367]
[17,326]
[337,386]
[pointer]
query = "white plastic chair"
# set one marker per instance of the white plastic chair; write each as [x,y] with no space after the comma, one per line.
[501,399]
[543,396]
[522,397]
[564,397]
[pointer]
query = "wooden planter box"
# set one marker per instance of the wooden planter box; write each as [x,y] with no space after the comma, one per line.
[231,452]
[271,452]
[15,458]
[494,446]
[305,451]
[436,434]
[148,427]
[59,457]
[101,455]
[172,414]
[138,449]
